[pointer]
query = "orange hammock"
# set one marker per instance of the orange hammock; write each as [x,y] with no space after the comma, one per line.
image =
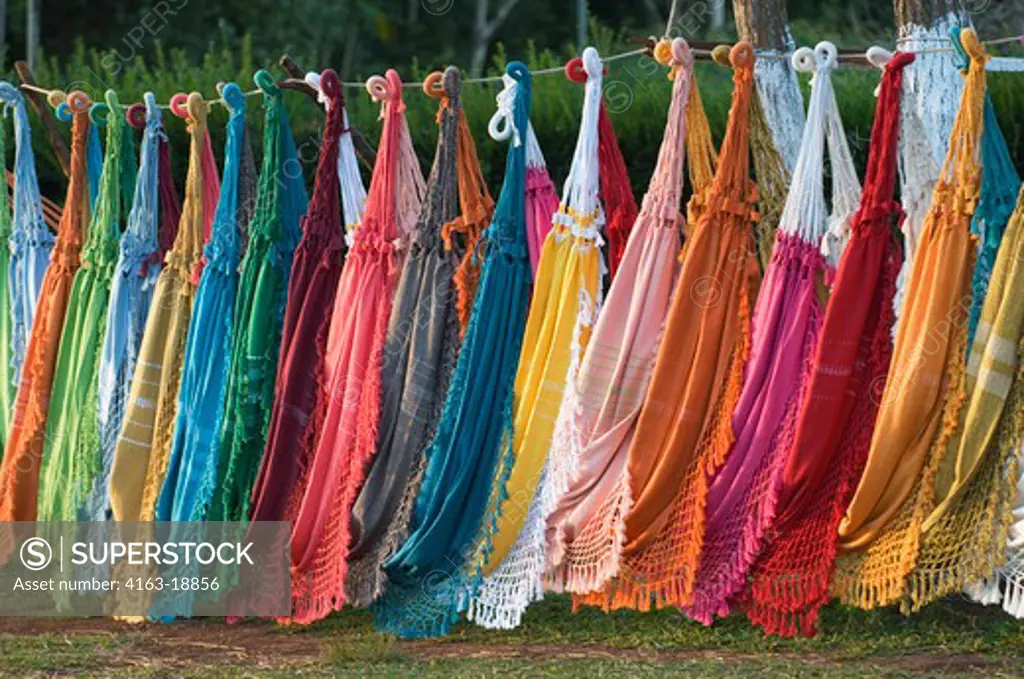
[684,430]
[881,532]
[19,476]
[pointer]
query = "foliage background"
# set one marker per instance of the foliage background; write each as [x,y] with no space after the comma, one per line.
[97,44]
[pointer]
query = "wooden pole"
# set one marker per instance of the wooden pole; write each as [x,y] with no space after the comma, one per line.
[364,150]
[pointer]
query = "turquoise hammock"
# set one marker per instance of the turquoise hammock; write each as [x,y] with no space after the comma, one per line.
[131,292]
[259,312]
[999,187]
[71,451]
[30,239]
[191,471]
[432,572]
[93,164]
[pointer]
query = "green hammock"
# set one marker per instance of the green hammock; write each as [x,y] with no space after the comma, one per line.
[259,312]
[71,450]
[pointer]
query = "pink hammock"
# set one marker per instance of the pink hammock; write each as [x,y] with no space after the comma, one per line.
[320,536]
[541,199]
[585,529]
[786,322]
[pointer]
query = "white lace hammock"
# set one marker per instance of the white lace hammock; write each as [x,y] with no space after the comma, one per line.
[504,594]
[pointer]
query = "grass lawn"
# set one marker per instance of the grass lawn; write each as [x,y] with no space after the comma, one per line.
[952,638]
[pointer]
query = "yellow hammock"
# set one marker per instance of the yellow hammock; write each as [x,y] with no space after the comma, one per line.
[880,535]
[563,309]
[965,536]
[143,448]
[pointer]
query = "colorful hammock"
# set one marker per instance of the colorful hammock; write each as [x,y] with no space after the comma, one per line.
[684,430]
[131,292]
[19,475]
[192,467]
[789,581]
[999,187]
[143,448]
[421,349]
[8,385]
[920,407]
[71,452]
[170,201]
[29,245]
[311,290]
[541,199]
[616,193]
[431,572]
[740,502]
[477,208]
[585,530]
[567,299]
[964,538]
[355,355]
[259,313]
[994,431]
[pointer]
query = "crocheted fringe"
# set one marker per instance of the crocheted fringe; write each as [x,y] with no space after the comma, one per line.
[634,588]
[315,597]
[581,567]
[876,578]
[366,580]
[977,553]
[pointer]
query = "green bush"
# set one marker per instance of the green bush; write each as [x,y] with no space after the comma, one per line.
[637,93]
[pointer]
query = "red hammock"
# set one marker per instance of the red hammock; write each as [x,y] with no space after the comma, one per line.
[789,583]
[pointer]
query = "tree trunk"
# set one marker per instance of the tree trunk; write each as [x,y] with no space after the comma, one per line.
[484,28]
[931,84]
[765,23]
[32,32]
[581,24]
[3,28]
[931,94]
[777,113]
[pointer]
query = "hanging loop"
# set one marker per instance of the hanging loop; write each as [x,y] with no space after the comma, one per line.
[433,86]
[803,60]
[178,105]
[265,82]
[232,95]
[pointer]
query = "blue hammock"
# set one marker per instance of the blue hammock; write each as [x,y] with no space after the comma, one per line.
[131,292]
[192,468]
[30,239]
[431,574]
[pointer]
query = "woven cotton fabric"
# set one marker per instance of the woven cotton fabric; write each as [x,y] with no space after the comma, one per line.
[923,395]
[144,446]
[419,358]
[192,466]
[566,302]
[72,458]
[30,243]
[683,431]
[312,286]
[431,572]
[19,476]
[584,531]
[259,312]
[789,580]
[356,340]
[741,500]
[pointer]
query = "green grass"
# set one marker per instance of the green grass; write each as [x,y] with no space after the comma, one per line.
[951,638]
